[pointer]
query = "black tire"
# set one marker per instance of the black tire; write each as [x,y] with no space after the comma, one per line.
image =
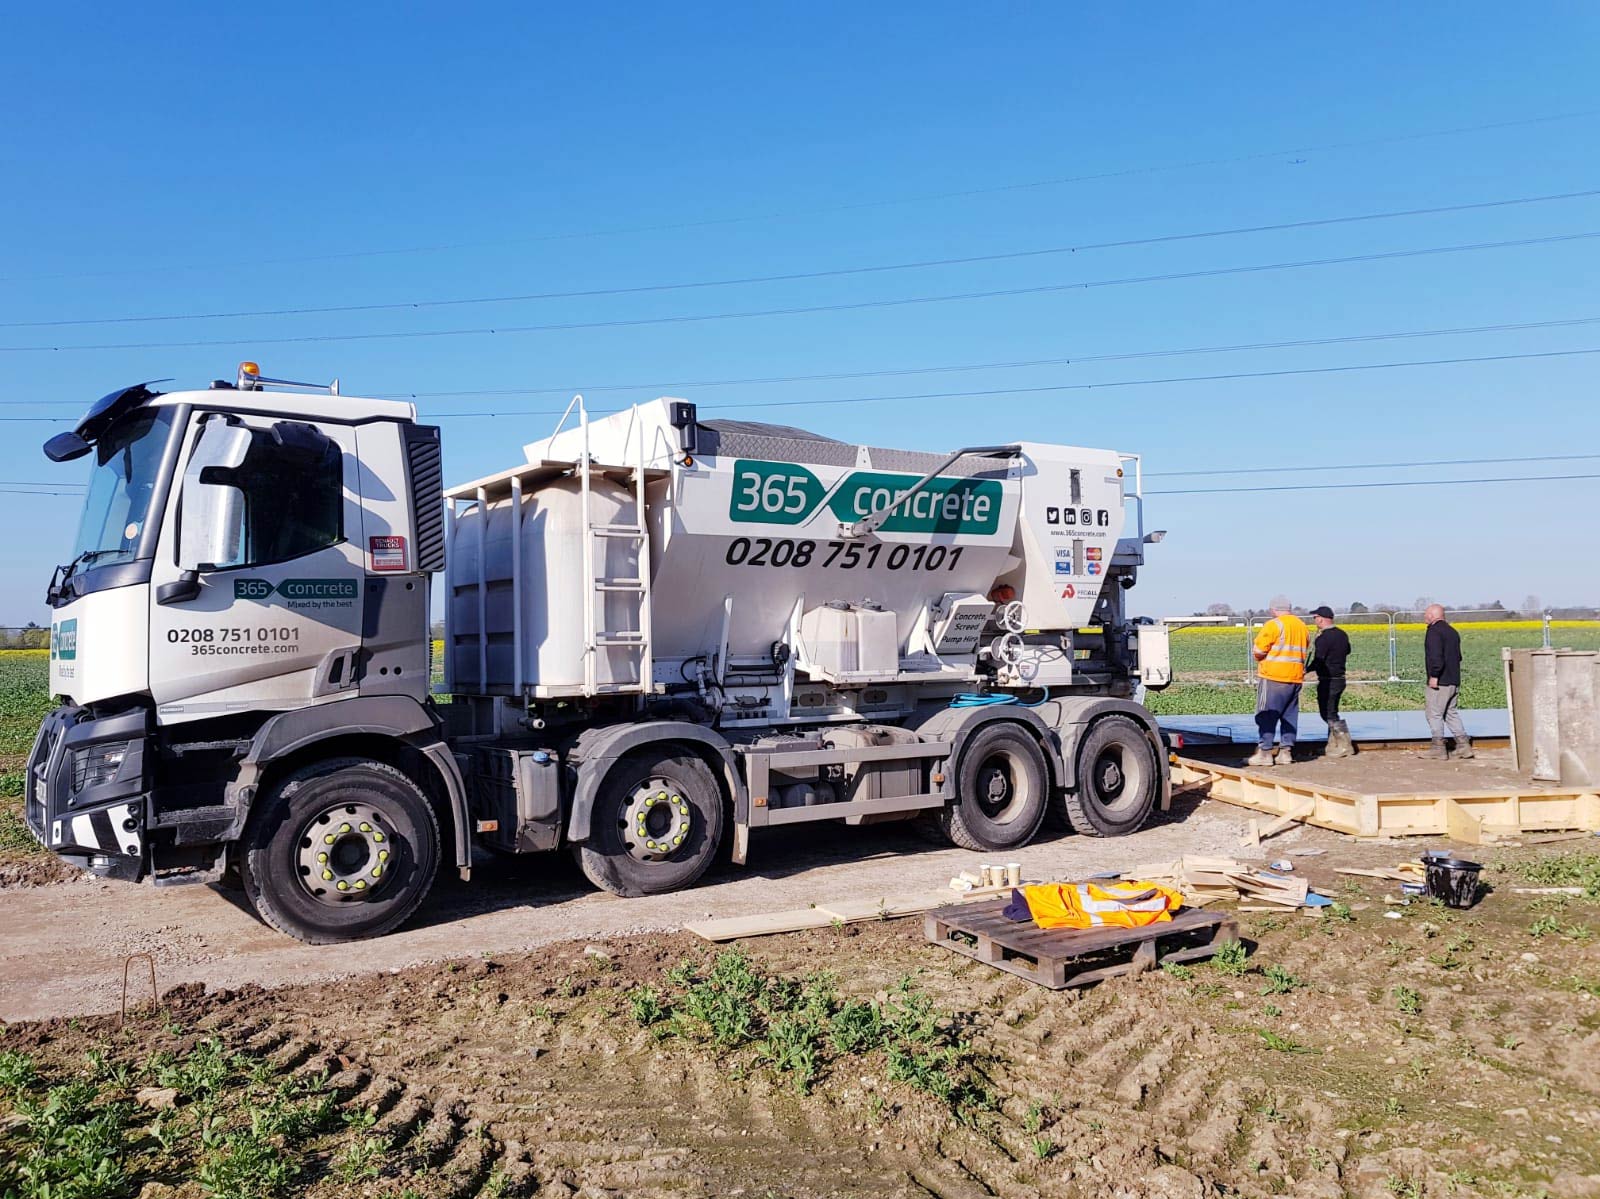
[307,808]
[1119,779]
[1002,790]
[618,859]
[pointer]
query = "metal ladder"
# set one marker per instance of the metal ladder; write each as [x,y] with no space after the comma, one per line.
[597,585]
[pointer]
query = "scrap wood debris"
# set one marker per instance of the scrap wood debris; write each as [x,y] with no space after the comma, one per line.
[1207,880]
[1405,872]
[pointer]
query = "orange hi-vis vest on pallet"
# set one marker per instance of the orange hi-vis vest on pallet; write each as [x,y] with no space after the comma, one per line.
[1089,905]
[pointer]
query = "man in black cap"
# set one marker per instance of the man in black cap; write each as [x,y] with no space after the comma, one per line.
[1328,656]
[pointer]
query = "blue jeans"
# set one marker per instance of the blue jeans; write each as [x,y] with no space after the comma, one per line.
[1277,709]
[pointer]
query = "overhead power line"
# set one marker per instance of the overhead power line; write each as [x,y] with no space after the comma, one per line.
[797,276]
[1291,470]
[1039,390]
[1386,483]
[855,206]
[850,306]
[1075,360]
[990,392]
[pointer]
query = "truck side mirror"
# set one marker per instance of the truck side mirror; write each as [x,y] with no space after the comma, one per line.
[211,525]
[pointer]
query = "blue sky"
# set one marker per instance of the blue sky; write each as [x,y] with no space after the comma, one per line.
[201,158]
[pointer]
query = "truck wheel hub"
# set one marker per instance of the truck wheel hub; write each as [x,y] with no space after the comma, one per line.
[656,821]
[1111,777]
[344,853]
[996,791]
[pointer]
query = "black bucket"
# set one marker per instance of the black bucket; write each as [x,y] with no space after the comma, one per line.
[1452,880]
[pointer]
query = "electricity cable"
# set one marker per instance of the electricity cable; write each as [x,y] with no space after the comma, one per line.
[926,197]
[799,276]
[843,306]
[1384,483]
[1296,343]
[1001,391]
[1289,470]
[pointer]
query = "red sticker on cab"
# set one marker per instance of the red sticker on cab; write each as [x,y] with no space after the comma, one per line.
[387,553]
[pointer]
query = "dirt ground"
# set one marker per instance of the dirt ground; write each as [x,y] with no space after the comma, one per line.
[206,935]
[1389,771]
[498,1048]
[1441,1053]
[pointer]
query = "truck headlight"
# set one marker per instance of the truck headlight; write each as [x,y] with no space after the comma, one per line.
[97,764]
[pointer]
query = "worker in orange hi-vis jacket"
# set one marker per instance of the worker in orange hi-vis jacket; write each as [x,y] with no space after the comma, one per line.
[1281,648]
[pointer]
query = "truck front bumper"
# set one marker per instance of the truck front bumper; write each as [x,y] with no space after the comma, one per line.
[85,792]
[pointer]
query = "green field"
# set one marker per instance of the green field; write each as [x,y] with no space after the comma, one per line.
[1210,664]
[24,700]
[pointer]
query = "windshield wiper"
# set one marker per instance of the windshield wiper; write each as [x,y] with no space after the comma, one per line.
[63,576]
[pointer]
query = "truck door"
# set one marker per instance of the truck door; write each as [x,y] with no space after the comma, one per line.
[256,593]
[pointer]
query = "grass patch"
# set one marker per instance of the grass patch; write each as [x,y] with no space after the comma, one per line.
[1280,981]
[801,1028]
[1231,957]
[1572,869]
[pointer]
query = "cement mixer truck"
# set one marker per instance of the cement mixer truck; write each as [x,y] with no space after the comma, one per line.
[666,638]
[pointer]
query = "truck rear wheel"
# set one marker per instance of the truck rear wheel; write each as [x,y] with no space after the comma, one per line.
[341,850]
[1001,790]
[657,822]
[1119,778]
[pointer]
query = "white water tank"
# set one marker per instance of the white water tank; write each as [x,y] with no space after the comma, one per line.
[553,591]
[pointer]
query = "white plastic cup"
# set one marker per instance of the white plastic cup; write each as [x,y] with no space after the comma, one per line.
[1013,874]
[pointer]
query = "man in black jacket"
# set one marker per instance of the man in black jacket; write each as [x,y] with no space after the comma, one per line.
[1328,656]
[1441,647]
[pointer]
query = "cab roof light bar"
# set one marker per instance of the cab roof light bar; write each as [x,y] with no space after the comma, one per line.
[251,379]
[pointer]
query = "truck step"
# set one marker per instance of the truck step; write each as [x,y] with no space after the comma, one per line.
[629,531]
[629,585]
[635,640]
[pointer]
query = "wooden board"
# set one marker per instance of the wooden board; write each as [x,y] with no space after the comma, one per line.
[1047,956]
[730,928]
[846,911]
[1470,816]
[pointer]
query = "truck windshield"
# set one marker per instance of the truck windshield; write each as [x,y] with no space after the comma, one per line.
[127,461]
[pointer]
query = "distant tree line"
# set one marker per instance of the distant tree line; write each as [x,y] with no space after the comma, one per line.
[28,636]
[1531,608]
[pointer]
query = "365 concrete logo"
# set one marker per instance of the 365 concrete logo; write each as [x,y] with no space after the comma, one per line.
[64,641]
[295,589]
[784,493]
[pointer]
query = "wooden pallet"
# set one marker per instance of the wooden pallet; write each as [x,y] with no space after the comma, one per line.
[1046,956]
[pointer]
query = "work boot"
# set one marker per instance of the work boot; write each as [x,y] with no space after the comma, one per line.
[1346,741]
[1436,751]
[1262,757]
[1464,748]
[1338,741]
[1285,756]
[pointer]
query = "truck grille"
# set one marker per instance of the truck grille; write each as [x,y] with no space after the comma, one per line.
[37,777]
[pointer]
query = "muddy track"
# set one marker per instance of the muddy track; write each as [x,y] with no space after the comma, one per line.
[1457,1053]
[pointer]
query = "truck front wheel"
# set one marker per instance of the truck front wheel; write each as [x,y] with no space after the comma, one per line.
[1001,788]
[1119,777]
[340,850]
[657,822]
